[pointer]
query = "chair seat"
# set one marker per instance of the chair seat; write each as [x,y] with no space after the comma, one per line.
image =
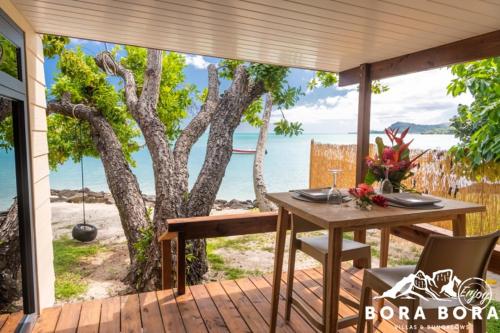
[318,247]
[391,275]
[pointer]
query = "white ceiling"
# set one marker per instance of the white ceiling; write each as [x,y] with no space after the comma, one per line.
[317,34]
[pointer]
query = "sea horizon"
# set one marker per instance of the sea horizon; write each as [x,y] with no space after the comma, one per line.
[286,165]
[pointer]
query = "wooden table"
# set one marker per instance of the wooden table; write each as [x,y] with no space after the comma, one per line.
[339,219]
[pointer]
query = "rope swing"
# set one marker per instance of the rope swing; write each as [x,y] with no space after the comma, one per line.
[83,232]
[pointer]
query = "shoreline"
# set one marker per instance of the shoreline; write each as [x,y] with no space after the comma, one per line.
[76,197]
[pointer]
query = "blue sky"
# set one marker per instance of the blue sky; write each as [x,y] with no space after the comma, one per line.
[419,98]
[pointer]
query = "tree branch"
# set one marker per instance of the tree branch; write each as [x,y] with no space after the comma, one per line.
[200,122]
[152,78]
[256,89]
[109,65]
[68,109]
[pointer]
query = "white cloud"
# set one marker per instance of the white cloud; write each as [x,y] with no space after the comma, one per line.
[79,41]
[197,61]
[420,98]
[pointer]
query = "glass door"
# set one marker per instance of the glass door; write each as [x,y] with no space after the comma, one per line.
[17,257]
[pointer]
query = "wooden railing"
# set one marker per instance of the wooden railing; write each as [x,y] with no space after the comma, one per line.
[183,229]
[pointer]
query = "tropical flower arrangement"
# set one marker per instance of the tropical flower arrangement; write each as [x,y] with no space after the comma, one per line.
[394,159]
[366,197]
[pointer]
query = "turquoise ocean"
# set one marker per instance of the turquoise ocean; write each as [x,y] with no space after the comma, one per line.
[286,165]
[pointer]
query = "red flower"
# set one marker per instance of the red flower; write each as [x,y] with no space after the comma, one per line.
[388,154]
[380,200]
[365,188]
[362,191]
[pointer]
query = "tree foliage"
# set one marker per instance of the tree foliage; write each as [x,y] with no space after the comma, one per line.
[53,45]
[87,84]
[477,125]
[329,79]
[80,77]
[8,57]
[275,81]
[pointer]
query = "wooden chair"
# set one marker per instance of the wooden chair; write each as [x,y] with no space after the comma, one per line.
[317,248]
[467,257]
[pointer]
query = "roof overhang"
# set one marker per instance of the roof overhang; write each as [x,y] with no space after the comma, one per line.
[315,34]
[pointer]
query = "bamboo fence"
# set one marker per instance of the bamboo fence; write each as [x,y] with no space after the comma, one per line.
[433,175]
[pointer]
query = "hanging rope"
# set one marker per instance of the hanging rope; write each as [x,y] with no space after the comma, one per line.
[81,172]
[107,68]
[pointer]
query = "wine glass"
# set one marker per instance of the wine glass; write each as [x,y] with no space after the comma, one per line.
[386,185]
[334,195]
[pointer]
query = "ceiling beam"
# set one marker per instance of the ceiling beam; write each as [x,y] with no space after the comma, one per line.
[474,48]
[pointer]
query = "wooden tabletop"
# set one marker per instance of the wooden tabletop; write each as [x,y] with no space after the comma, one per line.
[348,216]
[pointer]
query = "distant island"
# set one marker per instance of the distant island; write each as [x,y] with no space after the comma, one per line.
[443,128]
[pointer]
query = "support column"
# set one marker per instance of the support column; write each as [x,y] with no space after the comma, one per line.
[363,141]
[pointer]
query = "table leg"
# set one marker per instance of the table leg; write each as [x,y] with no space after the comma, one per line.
[459,228]
[279,251]
[359,236]
[385,235]
[333,269]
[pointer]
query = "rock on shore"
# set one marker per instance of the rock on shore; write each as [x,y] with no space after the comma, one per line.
[76,196]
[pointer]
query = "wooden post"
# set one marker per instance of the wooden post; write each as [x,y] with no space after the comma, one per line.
[166,264]
[166,258]
[364,104]
[363,141]
[181,263]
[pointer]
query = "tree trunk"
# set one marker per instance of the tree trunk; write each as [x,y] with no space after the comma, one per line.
[125,190]
[143,110]
[130,203]
[226,119]
[259,184]
[10,259]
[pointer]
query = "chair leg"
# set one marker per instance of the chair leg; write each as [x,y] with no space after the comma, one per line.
[366,296]
[479,325]
[325,282]
[385,236]
[290,274]
[412,326]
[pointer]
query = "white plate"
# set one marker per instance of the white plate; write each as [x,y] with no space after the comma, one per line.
[411,199]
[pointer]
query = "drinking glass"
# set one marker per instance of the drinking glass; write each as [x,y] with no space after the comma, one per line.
[334,195]
[386,185]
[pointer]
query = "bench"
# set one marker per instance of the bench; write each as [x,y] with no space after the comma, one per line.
[183,229]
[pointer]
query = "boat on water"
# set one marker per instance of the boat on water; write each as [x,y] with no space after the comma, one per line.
[243,151]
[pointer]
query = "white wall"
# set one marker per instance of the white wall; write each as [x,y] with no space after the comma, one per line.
[39,158]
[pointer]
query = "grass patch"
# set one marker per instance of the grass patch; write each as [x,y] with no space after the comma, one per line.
[217,262]
[68,257]
[493,325]
[402,261]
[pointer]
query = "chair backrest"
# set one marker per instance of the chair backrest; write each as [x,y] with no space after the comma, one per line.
[466,256]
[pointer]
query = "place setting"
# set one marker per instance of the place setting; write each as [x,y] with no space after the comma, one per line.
[389,167]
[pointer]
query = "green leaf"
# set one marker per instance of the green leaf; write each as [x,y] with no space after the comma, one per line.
[370,177]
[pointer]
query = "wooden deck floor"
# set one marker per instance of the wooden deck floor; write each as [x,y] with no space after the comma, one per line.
[227,306]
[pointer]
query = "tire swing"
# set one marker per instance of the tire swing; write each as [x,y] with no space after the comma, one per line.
[83,232]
